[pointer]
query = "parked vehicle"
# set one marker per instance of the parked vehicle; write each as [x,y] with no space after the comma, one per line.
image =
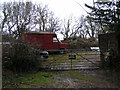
[44,41]
[94,48]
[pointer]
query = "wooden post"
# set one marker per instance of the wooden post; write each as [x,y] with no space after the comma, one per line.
[71,57]
[71,63]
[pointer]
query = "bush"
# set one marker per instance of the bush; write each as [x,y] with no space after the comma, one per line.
[81,43]
[20,57]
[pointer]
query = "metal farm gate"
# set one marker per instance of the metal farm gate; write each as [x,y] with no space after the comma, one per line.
[73,60]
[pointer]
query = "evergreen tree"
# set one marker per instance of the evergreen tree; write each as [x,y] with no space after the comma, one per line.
[107,14]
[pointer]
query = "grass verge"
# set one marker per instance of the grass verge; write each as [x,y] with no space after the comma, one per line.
[25,80]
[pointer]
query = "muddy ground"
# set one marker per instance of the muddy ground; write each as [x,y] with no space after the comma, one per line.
[76,79]
[93,79]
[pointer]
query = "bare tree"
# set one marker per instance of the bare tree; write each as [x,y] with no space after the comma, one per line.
[70,28]
[79,31]
[16,17]
[41,17]
[25,16]
[90,27]
[75,28]
[86,28]
[65,32]
[45,19]
[3,21]
[54,23]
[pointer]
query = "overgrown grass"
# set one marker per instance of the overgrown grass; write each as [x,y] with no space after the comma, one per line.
[42,78]
[23,80]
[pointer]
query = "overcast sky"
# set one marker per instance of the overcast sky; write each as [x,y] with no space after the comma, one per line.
[63,8]
[66,8]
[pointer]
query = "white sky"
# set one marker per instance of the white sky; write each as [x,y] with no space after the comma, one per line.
[66,8]
[62,8]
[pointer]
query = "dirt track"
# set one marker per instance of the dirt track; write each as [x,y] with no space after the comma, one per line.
[96,81]
[87,80]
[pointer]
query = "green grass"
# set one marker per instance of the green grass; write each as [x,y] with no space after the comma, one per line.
[23,81]
[41,78]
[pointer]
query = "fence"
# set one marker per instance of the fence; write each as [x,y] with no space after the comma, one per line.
[73,60]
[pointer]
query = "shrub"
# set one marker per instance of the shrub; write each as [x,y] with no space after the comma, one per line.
[20,57]
[81,43]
